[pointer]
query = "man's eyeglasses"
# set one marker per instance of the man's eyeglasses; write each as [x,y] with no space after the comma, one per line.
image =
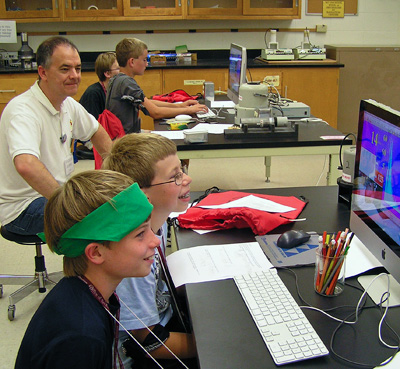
[178,179]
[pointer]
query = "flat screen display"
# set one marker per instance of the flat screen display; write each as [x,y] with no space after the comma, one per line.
[237,71]
[375,216]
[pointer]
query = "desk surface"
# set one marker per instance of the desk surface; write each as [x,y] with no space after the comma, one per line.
[309,135]
[226,336]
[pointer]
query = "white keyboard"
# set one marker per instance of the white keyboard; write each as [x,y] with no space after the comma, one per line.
[284,328]
[208,114]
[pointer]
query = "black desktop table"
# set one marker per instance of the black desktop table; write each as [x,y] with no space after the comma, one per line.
[308,142]
[226,336]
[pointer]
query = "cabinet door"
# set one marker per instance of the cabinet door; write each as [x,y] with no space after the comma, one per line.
[92,8]
[12,85]
[148,8]
[191,80]
[316,87]
[291,8]
[214,8]
[150,83]
[29,9]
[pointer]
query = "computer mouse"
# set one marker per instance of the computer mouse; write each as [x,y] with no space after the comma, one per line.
[292,239]
[183,117]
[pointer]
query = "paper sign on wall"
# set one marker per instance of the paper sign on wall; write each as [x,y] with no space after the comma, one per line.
[8,32]
[333,9]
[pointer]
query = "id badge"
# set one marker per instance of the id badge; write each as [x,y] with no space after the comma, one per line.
[69,165]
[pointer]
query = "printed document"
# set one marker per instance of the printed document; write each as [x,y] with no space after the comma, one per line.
[216,262]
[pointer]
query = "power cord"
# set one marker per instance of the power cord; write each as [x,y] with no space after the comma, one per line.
[340,167]
[360,306]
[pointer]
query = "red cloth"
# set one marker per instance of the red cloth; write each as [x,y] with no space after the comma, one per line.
[175,96]
[113,126]
[260,222]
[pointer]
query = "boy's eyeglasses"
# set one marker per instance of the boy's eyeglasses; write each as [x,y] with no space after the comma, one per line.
[114,69]
[178,179]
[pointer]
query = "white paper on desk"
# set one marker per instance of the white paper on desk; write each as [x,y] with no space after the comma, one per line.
[172,135]
[359,259]
[216,262]
[216,128]
[252,202]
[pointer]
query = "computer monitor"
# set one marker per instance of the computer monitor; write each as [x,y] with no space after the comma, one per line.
[375,213]
[237,71]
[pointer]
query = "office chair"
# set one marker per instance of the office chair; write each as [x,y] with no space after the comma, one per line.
[30,283]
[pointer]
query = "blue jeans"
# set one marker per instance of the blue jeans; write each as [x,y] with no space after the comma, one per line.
[30,221]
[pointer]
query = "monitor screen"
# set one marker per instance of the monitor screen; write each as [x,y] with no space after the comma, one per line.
[375,214]
[237,71]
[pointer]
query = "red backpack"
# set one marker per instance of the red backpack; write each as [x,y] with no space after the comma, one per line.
[113,127]
[176,96]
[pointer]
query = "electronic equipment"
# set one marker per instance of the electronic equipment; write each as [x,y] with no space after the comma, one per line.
[315,53]
[285,329]
[291,110]
[375,208]
[25,53]
[237,71]
[253,96]
[208,93]
[262,128]
[277,54]
[208,114]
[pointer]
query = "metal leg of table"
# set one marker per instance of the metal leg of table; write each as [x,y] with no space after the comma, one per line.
[267,163]
[333,172]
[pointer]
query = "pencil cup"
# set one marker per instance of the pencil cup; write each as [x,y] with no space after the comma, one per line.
[329,275]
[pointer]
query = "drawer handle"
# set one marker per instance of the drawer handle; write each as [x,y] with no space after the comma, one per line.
[8,91]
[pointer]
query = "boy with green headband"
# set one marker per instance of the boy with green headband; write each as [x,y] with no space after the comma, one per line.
[100,222]
[151,160]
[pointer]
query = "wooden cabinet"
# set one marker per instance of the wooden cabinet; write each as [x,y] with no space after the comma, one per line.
[318,87]
[191,80]
[244,9]
[123,10]
[34,10]
[220,9]
[12,85]
[289,8]
[149,9]
[151,84]
[92,8]
[315,86]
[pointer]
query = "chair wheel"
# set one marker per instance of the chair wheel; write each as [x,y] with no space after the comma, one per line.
[11,312]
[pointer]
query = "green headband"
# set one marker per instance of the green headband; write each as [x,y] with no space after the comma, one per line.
[112,221]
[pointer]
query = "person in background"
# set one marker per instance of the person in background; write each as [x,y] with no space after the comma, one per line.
[94,98]
[125,98]
[151,160]
[36,133]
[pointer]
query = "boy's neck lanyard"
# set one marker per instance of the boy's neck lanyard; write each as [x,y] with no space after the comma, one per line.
[97,295]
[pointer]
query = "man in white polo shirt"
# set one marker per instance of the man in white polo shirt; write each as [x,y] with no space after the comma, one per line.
[36,132]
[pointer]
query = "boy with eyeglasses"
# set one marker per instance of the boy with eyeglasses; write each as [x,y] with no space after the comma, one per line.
[151,160]
[125,98]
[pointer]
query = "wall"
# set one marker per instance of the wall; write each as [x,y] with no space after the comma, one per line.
[377,23]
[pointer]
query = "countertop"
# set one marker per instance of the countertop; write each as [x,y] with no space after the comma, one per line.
[206,59]
[208,63]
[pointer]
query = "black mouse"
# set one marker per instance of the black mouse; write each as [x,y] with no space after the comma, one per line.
[292,239]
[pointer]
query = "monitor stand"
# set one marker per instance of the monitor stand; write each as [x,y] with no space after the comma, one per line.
[379,287]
